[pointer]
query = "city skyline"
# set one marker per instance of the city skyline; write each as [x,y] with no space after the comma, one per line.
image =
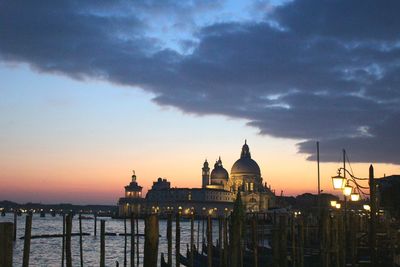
[91,91]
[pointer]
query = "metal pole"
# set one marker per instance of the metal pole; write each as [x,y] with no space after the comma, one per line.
[319,178]
[345,209]
[372,231]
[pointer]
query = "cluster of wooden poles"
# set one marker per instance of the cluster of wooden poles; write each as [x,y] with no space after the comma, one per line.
[295,241]
[235,235]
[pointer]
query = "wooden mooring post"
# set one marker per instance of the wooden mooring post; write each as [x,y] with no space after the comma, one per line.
[27,241]
[102,243]
[169,238]
[202,231]
[137,239]
[125,242]
[63,242]
[80,240]
[95,224]
[341,240]
[6,244]
[325,240]
[275,246]
[220,241]
[209,241]
[254,241]
[177,239]
[151,241]
[353,239]
[225,222]
[198,235]
[132,240]
[191,239]
[293,239]
[300,234]
[15,225]
[236,233]
[68,254]
[283,241]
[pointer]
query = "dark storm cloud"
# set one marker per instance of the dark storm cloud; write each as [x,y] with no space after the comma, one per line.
[313,70]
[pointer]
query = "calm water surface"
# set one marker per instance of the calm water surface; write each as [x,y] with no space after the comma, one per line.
[47,251]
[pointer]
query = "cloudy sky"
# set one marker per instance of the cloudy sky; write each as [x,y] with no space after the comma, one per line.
[93,89]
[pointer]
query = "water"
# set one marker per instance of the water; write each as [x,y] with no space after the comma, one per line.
[47,251]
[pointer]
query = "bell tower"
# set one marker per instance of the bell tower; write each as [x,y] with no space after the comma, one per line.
[205,174]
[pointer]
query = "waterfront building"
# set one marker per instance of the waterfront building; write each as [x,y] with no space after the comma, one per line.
[133,201]
[217,194]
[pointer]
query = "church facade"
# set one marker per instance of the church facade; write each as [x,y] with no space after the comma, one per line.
[216,196]
[245,177]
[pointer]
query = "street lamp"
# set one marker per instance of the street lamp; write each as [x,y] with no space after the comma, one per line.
[355,196]
[338,182]
[333,203]
[347,190]
[338,205]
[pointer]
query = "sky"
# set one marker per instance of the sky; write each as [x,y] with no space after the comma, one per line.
[93,90]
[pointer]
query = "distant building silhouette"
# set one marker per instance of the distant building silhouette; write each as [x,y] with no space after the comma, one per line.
[389,193]
[216,196]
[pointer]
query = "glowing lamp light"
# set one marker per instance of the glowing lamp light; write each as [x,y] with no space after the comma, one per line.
[355,197]
[333,203]
[338,182]
[347,190]
[338,205]
[367,207]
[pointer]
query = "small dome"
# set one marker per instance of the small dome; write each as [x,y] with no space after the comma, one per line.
[219,172]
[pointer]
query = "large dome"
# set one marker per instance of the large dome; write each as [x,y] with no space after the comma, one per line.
[245,165]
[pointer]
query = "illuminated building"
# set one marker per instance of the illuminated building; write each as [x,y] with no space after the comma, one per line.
[216,196]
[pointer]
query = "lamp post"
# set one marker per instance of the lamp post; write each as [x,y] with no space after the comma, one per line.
[343,183]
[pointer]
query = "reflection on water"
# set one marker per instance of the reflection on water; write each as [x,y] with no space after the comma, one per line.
[47,251]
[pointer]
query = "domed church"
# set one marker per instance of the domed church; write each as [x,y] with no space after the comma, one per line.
[245,177]
[216,196]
